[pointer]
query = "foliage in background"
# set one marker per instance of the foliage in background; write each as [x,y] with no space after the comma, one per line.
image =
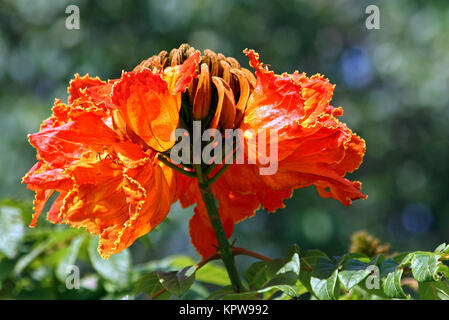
[34,265]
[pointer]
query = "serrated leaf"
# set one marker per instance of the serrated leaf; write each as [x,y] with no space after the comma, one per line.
[12,230]
[433,290]
[425,266]
[115,269]
[150,284]
[178,283]
[69,259]
[392,285]
[352,273]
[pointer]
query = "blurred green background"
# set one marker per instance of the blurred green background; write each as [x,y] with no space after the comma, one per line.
[393,84]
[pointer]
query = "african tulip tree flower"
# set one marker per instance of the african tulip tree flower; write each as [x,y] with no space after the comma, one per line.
[106,151]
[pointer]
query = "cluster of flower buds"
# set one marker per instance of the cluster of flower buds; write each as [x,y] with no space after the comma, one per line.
[218,95]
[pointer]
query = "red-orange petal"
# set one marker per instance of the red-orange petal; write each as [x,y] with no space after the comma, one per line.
[314,148]
[60,146]
[238,199]
[179,77]
[148,107]
[95,90]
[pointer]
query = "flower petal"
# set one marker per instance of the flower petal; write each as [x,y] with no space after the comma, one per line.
[44,180]
[83,89]
[314,148]
[148,107]
[179,77]
[120,204]
[62,145]
[149,203]
[238,199]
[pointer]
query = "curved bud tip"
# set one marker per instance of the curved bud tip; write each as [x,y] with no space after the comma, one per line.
[202,100]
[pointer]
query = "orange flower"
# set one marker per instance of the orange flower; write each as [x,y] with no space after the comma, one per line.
[314,148]
[104,151]
[108,180]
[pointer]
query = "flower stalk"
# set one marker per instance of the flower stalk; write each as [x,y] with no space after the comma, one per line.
[224,248]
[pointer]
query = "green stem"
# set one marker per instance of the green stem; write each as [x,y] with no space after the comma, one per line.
[175,167]
[224,248]
[218,174]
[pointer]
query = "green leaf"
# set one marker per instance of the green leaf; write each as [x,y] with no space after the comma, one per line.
[116,269]
[221,292]
[196,292]
[214,274]
[403,257]
[252,295]
[353,256]
[70,258]
[433,290]
[178,282]
[352,273]
[425,266]
[387,266]
[406,259]
[257,275]
[322,268]
[12,230]
[285,270]
[444,270]
[442,248]
[392,285]
[325,288]
[291,263]
[280,274]
[377,260]
[321,279]
[291,290]
[308,260]
[150,284]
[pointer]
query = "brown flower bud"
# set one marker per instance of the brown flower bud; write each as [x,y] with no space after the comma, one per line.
[202,100]
[225,113]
